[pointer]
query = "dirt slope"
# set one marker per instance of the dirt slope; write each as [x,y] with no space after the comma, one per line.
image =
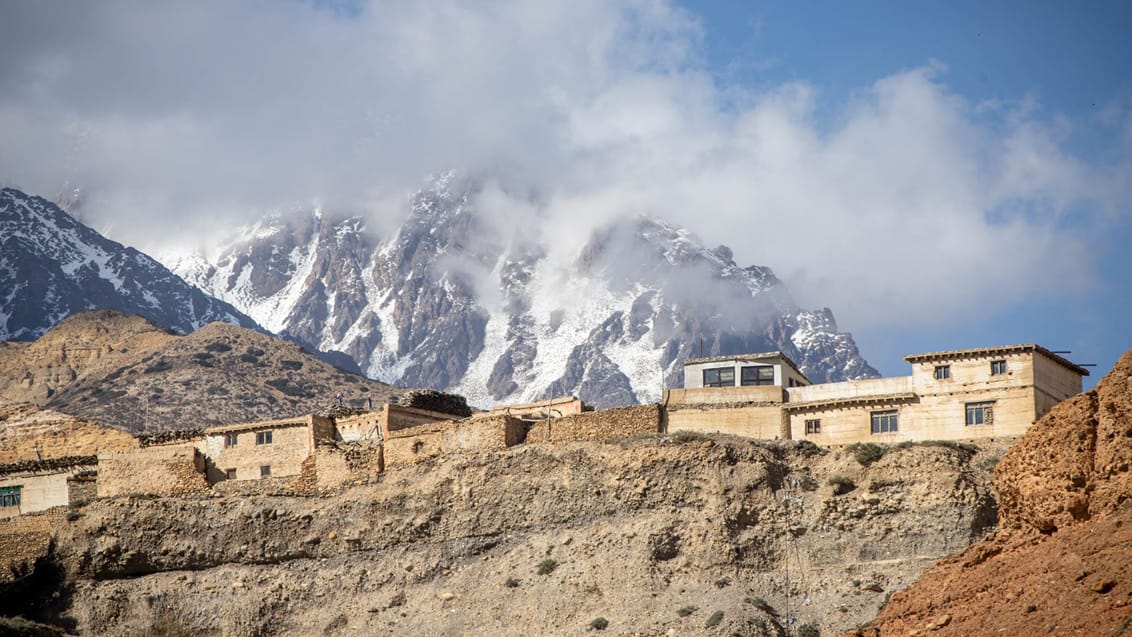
[1062,561]
[126,372]
[656,535]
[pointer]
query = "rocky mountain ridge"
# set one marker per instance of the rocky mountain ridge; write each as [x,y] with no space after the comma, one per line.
[130,373]
[457,301]
[52,266]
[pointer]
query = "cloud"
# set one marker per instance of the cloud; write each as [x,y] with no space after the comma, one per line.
[904,201]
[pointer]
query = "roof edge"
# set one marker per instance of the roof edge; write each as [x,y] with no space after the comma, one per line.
[1001,349]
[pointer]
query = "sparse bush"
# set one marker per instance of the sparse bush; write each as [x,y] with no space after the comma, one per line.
[951,444]
[599,623]
[688,436]
[512,582]
[809,449]
[723,582]
[762,605]
[71,516]
[547,566]
[714,620]
[218,347]
[809,630]
[291,365]
[866,453]
[686,610]
[841,484]
[807,483]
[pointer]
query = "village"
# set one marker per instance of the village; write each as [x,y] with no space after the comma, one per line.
[988,393]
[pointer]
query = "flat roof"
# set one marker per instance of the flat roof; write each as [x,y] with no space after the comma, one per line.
[1000,350]
[849,401]
[297,421]
[747,357]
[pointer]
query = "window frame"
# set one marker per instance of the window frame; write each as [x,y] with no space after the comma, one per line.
[998,368]
[265,471]
[984,409]
[813,426]
[942,372]
[231,439]
[719,376]
[11,495]
[886,421]
[230,474]
[761,379]
[263,438]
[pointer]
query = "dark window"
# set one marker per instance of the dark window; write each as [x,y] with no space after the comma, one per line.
[263,437]
[264,470]
[884,422]
[980,413]
[719,377]
[10,496]
[942,372]
[230,439]
[813,426]
[758,375]
[997,368]
[230,474]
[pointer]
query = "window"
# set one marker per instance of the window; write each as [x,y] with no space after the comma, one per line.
[813,426]
[758,375]
[263,437]
[980,413]
[10,496]
[230,440]
[997,368]
[942,372]
[884,422]
[719,377]
[264,470]
[230,474]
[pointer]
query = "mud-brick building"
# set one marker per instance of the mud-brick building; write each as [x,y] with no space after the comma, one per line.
[263,449]
[37,485]
[953,395]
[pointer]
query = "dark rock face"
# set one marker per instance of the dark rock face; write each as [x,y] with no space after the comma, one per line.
[52,266]
[454,301]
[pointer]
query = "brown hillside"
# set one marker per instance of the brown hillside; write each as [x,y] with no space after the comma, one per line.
[1061,562]
[128,373]
[29,433]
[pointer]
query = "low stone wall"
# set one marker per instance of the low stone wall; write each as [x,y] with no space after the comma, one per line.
[344,463]
[24,538]
[166,470]
[427,443]
[622,422]
[490,432]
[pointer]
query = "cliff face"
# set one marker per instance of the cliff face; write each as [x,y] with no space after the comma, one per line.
[1061,562]
[654,534]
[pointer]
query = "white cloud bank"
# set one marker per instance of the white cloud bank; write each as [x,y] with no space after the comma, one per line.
[905,204]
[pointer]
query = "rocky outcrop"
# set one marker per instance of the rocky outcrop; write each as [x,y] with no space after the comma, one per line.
[1061,562]
[655,534]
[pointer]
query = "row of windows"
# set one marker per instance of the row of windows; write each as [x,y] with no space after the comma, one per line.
[261,438]
[943,372]
[750,375]
[10,496]
[883,422]
[264,472]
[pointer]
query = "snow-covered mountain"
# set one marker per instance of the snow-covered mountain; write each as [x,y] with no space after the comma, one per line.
[52,266]
[453,301]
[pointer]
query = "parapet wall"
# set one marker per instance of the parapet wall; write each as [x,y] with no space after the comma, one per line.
[621,422]
[414,444]
[165,470]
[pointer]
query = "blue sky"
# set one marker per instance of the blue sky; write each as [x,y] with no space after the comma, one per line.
[1071,59]
[943,175]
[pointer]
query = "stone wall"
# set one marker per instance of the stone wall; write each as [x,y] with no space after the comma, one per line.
[622,422]
[490,432]
[24,538]
[415,444]
[564,406]
[345,463]
[366,426]
[43,484]
[166,470]
[398,417]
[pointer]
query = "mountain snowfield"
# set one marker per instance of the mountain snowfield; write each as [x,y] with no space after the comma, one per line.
[453,302]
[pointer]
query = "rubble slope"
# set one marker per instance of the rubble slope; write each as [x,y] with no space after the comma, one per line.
[656,535]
